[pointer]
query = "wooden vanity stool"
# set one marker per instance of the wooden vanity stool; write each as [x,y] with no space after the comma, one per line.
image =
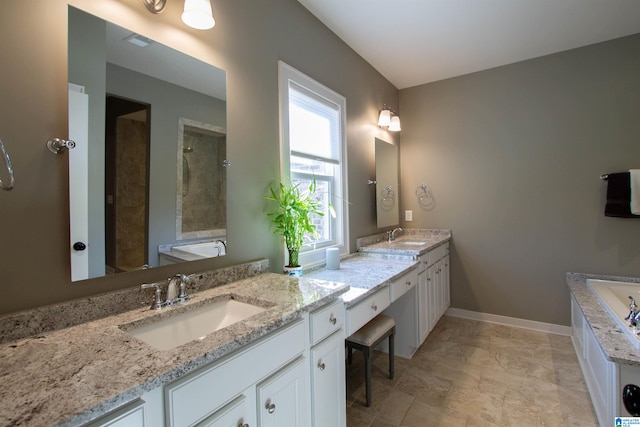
[365,339]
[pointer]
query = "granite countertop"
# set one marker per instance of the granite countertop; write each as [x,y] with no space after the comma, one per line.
[613,341]
[406,244]
[70,376]
[365,275]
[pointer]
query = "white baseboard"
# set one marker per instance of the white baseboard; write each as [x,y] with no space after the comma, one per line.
[511,321]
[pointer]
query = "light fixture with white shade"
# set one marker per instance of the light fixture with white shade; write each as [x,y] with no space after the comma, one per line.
[389,119]
[395,124]
[385,118]
[197,13]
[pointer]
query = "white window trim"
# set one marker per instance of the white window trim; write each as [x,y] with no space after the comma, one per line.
[287,73]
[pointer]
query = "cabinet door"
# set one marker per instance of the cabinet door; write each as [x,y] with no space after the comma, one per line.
[432,299]
[328,397]
[235,414]
[423,306]
[447,283]
[283,398]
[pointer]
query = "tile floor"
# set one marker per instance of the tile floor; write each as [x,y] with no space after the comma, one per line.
[471,373]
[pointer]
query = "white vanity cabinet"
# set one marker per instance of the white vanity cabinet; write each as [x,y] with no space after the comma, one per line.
[361,313]
[328,394]
[433,288]
[200,398]
[282,398]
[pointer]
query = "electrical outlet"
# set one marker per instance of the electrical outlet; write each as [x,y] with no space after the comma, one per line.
[408,215]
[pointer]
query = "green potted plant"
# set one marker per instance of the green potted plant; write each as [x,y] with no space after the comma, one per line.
[292,218]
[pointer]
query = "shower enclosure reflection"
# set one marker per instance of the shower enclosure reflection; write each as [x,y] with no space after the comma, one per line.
[201,176]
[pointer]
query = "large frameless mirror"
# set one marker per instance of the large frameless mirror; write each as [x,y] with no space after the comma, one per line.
[135,106]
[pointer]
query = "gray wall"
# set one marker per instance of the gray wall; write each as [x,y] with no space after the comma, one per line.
[513,156]
[249,37]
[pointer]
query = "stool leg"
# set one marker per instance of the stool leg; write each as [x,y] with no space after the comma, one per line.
[391,353]
[367,374]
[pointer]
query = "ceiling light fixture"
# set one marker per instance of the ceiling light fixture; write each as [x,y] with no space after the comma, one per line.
[389,119]
[197,13]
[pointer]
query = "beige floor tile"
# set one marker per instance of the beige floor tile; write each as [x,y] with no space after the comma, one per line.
[471,373]
[421,414]
[358,417]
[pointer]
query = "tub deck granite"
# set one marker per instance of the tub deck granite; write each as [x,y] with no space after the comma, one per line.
[71,376]
[613,341]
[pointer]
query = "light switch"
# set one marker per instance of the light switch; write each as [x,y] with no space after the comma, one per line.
[408,215]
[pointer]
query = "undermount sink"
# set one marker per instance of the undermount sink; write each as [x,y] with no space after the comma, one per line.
[413,242]
[194,324]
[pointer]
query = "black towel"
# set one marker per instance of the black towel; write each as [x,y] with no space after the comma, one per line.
[619,196]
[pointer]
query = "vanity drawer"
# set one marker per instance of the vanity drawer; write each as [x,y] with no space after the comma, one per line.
[432,256]
[191,399]
[326,320]
[361,313]
[403,284]
[437,253]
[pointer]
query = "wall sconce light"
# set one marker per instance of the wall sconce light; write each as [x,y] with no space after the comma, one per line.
[389,119]
[197,13]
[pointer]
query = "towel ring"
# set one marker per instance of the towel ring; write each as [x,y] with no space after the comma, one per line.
[7,162]
[423,192]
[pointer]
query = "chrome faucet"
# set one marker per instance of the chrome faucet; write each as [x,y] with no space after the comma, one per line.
[182,281]
[391,235]
[176,291]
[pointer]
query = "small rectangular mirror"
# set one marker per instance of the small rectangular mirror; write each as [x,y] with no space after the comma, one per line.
[387,206]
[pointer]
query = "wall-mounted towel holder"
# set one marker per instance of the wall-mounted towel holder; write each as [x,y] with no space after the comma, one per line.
[7,163]
[57,145]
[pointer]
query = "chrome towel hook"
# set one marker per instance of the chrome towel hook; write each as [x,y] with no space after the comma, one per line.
[57,145]
[7,162]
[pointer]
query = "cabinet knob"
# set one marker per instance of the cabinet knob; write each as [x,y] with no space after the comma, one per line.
[241,424]
[428,279]
[408,282]
[321,365]
[374,307]
[332,319]
[271,407]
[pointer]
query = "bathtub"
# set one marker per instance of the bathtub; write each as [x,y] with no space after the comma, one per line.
[206,249]
[614,297]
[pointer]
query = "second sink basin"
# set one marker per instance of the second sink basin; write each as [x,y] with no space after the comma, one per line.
[195,324]
[413,242]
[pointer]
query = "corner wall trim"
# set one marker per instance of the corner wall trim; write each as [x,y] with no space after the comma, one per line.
[511,321]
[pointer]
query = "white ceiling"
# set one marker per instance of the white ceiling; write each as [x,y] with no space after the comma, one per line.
[412,42]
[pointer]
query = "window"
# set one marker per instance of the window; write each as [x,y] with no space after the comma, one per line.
[313,147]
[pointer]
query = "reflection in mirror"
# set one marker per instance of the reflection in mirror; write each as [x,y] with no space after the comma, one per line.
[201,203]
[387,207]
[128,209]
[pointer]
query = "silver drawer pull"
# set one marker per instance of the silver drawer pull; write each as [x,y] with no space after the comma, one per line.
[332,319]
[271,407]
[240,424]
[374,307]
[321,365]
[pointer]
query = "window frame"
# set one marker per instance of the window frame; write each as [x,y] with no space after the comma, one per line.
[313,256]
